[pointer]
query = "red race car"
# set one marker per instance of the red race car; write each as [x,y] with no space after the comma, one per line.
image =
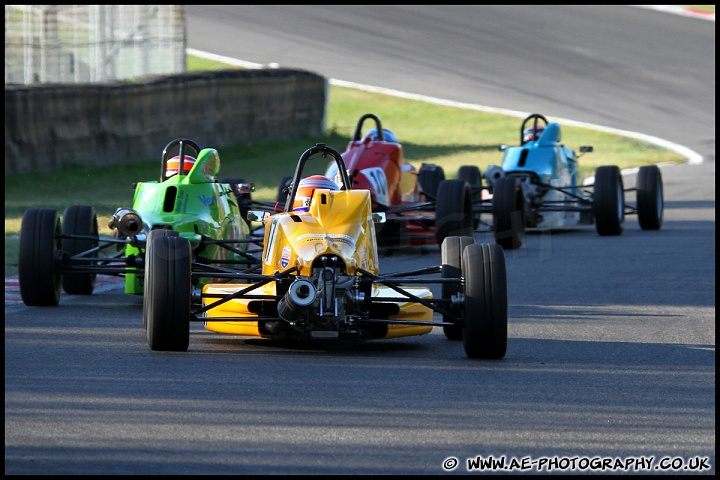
[421,206]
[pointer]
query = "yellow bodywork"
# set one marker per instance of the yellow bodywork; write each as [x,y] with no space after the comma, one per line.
[238,308]
[338,223]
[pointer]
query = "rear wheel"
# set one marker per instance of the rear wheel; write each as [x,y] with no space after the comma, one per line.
[152,236]
[79,220]
[485,301]
[40,231]
[508,207]
[168,289]
[650,203]
[453,210]
[451,253]
[609,201]
[429,178]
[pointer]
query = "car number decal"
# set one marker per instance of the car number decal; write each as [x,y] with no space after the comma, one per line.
[378,181]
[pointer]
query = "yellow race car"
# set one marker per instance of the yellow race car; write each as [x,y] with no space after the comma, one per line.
[319,278]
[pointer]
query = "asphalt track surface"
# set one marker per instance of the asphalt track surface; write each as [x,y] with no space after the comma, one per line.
[611,350]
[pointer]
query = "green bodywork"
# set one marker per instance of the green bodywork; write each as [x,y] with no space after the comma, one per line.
[196,206]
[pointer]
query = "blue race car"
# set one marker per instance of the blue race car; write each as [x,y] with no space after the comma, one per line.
[537,187]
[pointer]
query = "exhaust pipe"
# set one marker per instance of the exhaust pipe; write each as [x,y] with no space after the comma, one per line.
[297,299]
[127,222]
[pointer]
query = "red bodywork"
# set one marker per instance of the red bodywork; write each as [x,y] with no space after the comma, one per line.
[375,162]
[379,166]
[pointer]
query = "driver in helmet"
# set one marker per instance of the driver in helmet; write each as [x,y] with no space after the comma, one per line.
[307,187]
[389,135]
[533,133]
[173,165]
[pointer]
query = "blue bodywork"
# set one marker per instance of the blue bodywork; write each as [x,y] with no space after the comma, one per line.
[544,157]
[537,186]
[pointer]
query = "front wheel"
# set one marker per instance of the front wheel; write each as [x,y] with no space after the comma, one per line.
[508,209]
[80,220]
[429,178]
[451,252]
[485,303]
[168,290]
[473,176]
[160,232]
[453,210]
[650,203]
[609,201]
[40,246]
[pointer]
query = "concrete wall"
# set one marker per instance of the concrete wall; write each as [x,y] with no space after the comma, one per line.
[51,126]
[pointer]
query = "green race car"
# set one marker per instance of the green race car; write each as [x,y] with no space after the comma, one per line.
[187,201]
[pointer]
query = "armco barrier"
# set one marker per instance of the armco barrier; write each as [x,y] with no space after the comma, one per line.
[48,127]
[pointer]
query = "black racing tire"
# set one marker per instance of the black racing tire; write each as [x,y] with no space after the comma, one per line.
[161,232]
[451,252]
[485,305]
[39,247]
[473,176]
[168,290]
[609,201]
[508,210]
[282,193]
[453,210]
[429,178]
[650,202]
[79,220]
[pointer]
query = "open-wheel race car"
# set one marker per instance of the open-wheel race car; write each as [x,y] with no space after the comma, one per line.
[187,202]
[320,279]
[537,187]
[421,206]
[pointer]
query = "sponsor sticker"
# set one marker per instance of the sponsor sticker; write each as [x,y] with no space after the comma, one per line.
[285,258]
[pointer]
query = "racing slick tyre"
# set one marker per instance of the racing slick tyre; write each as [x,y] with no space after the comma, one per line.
[508,209]
[161,232]
[282,193]
[453,210]
[429,178]
[473,176]
[40,244]
[451,253]
[650,203]
[609,200]
[79,220]
[168,289]
[485,301]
